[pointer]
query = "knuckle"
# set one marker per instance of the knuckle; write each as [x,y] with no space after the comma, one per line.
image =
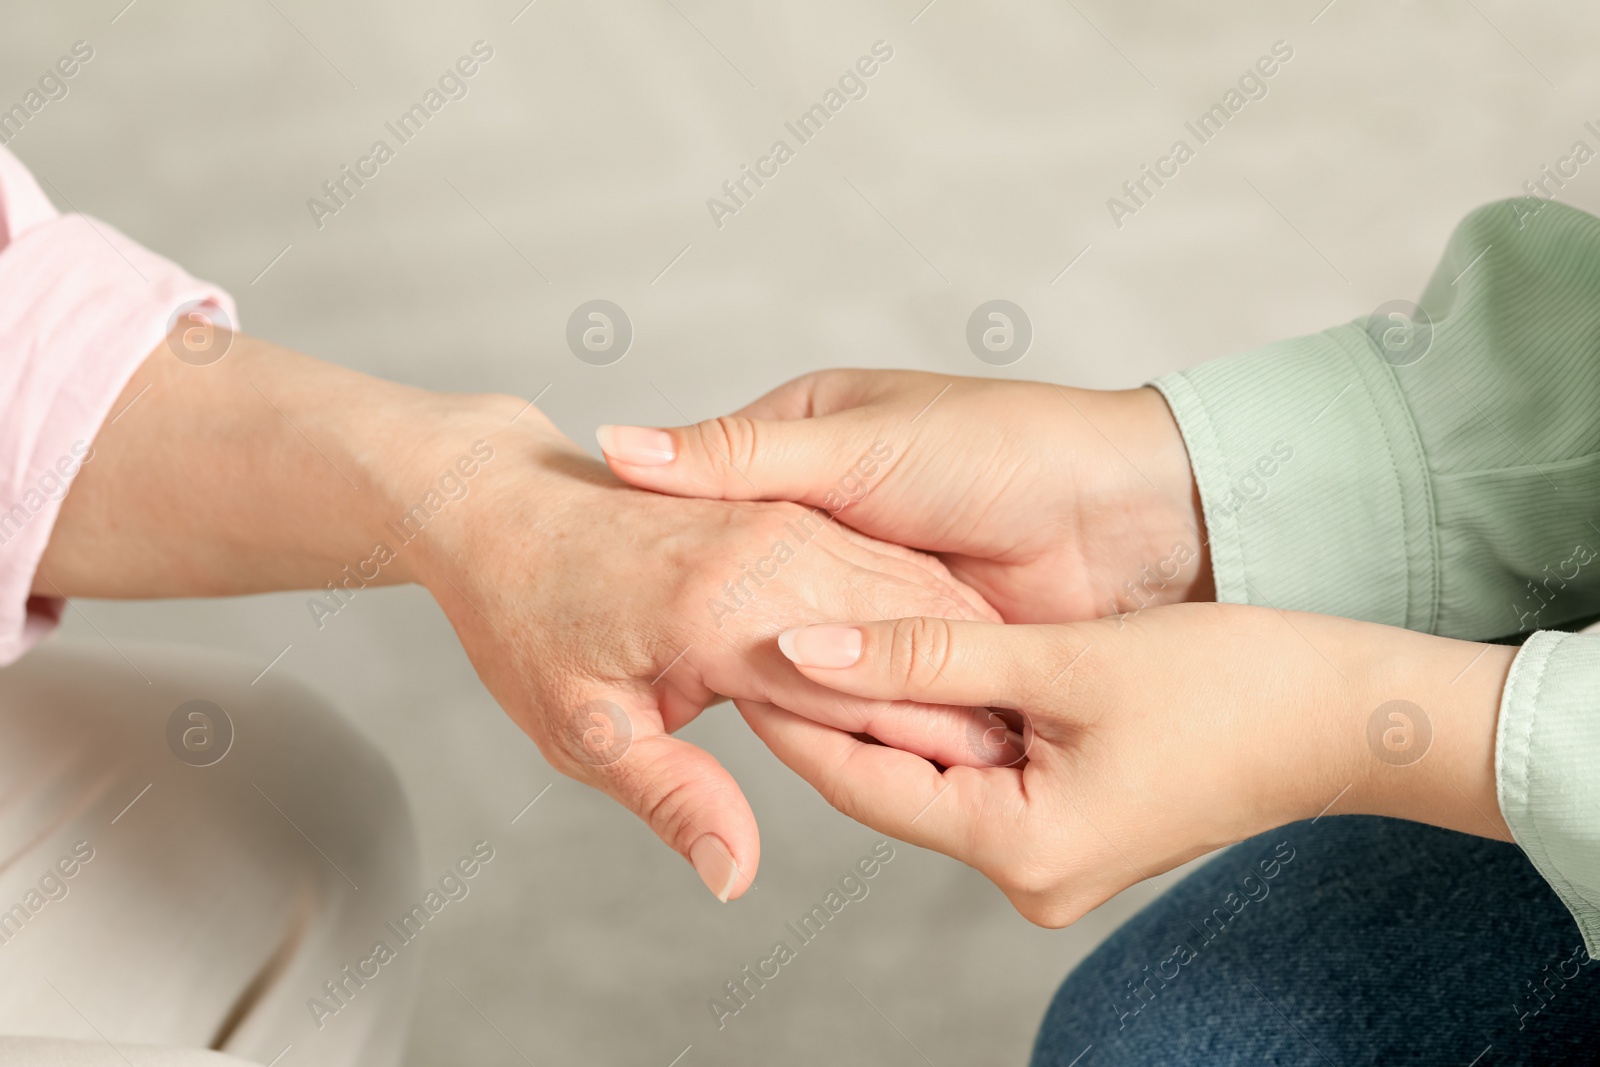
[817,383]
[596,735]
[775,519]
[698,576]
[838,797]
[841,795]
[663,807]
[1052,913]
[1041,896]
[665,813]
[759,528]
[1020,878]
[733,438]
[919,650]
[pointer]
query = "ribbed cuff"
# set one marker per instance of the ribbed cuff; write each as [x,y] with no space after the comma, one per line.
[1547,767]
[1312,479]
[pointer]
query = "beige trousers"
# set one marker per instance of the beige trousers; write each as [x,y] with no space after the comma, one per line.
[175,878]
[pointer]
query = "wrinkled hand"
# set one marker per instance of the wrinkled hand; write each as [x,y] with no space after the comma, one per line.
[1150,740]
[603,618]
[1056,504]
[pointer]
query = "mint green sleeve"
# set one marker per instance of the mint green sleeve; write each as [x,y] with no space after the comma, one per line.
[1440,471]
[1458,494]
[1546,758]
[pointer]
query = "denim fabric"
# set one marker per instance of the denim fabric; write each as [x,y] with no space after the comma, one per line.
[1349,941]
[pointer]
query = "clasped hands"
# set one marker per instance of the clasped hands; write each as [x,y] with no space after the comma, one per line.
[977,615]
[973,614]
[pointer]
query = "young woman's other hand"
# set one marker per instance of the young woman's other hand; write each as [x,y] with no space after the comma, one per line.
[1150,740]
[1056,504]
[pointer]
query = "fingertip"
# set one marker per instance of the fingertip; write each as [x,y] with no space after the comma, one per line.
[714,863]
[637,446]
[829,647]
[693,804]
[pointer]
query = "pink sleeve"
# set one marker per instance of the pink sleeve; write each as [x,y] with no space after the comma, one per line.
[81,306]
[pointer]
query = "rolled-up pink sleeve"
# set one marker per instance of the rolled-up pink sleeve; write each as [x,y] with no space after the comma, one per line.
[81,306]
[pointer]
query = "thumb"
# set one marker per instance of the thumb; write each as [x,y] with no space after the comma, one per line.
[935,661]
[688,798]
[736,457]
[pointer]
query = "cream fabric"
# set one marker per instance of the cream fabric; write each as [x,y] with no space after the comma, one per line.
[167,908]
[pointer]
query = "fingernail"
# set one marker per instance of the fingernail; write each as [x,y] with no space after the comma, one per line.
[822,646]
[1016,747]
[638,445]
[714,864]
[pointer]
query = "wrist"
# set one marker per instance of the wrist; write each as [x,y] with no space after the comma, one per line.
[437,463]
[1155,493]
[1174,500]
[1421,733]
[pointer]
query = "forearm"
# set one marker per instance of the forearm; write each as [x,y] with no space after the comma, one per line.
[1497,741]
[267,470]
[1301,716]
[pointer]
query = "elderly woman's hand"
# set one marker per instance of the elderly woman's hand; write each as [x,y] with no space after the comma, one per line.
[602,618]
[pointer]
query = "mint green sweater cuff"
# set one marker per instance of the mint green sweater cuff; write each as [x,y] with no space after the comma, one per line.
[1549,736]
[1455,492]
[1313,483]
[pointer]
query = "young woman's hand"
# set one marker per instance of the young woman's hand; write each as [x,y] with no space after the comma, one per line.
[1056,504]
[1150,740]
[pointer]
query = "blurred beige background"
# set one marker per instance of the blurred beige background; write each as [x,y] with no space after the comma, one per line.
[977,166]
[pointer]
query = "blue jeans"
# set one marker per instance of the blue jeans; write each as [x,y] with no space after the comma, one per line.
[1354,941]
